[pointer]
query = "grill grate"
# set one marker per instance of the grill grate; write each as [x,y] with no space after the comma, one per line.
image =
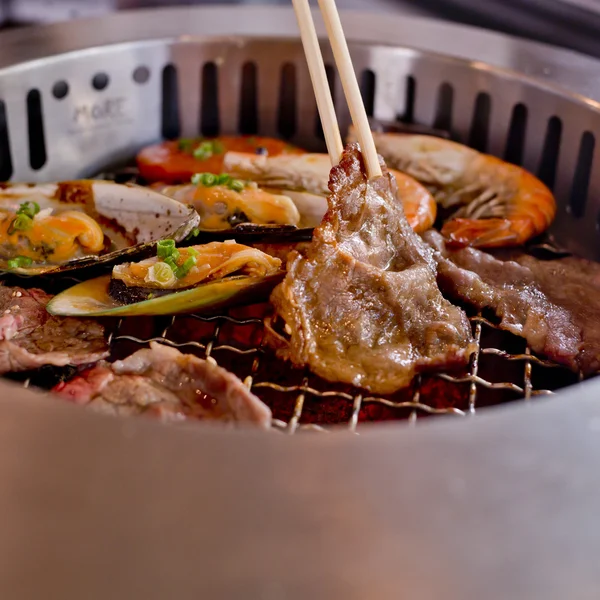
[301,401]
[350,406]
[121,97]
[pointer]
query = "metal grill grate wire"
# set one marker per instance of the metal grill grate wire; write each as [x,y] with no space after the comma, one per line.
[296,396]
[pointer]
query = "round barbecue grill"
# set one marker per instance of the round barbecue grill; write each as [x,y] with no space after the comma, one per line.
[80,99]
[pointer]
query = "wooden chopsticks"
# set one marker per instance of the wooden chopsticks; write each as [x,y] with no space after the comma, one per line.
[318,76]
[350,86]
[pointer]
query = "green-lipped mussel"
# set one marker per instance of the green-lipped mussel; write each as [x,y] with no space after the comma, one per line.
[238,207]
[175,280]
[55,227]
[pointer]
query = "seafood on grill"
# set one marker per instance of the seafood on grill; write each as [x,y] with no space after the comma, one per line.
[57,227]
[167,384]
[553,304]
[31,338]
[305,179]
[361,305]
[177,161]
[490,203]
[175,280]
[232,205]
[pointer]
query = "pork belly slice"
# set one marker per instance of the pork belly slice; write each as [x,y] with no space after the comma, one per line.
[30,337]
[162,381]
[553,304]
[360,304]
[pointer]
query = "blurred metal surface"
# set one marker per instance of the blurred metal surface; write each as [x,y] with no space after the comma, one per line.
[502,506]
[51,11]
[567,23]
[560,67]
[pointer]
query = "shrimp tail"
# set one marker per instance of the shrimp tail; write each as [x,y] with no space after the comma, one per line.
[487,233]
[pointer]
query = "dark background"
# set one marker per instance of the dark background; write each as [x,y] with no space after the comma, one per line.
[573,24]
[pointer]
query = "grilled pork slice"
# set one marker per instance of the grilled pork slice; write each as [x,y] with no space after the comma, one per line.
[164,382]
[31,338]
[553,304]
[361,304]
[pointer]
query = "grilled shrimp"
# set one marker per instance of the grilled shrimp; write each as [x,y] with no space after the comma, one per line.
[308,175]
[493,203]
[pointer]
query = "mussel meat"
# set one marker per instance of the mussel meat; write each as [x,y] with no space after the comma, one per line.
[224,203]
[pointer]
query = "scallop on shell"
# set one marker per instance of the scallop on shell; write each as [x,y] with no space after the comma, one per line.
[87,222]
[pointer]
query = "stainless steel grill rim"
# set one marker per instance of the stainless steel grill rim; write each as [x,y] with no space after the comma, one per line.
[90,109]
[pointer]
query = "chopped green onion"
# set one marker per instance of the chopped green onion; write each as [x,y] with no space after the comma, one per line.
[194,233]
[185,268]
[223,179]
[175,255]
[193,252]
[165,248]
[185,144]
[208,179]
[217,147]
[236,185]
[169,261]
[205,179]
[29,209]
[20,223]
[19,261]
[162,272]
[204,151]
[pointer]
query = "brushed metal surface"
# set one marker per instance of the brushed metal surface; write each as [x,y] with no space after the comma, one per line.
[90,129]
[502,506]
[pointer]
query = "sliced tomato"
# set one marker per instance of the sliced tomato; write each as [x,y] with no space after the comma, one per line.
[175,162]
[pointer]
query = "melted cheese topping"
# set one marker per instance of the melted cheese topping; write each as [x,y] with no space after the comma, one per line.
[213,261]
[51,238]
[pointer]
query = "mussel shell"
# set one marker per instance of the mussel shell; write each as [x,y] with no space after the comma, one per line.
[92,299]
[124,212]
[250,233]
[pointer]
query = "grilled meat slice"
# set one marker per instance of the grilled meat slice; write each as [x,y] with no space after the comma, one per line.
[554,305]
[361,305]
[164,382]
[572,283]
[31,338]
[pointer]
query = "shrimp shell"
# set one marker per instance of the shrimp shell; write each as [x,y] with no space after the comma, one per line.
[493,203]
